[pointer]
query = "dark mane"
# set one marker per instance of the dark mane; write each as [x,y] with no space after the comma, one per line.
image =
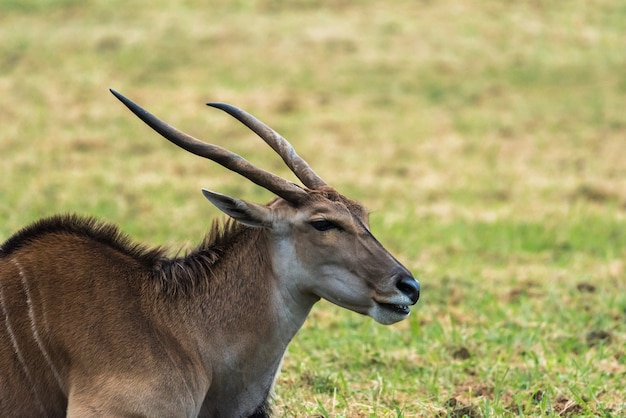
[82,227]
[180,276]
[172,277]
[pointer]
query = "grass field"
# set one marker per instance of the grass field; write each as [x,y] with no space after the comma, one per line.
[488,139]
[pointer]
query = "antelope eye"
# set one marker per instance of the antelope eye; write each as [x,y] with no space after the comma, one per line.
[324,225]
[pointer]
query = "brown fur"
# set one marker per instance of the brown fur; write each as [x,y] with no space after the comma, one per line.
[87,228]
[172,277]
[66,269]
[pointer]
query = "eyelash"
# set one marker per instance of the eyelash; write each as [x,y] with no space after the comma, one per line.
[324,225]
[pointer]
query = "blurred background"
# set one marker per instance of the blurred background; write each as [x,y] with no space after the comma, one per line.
[486,137]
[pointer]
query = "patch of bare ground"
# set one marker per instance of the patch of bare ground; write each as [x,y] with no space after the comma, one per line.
[565,407]
[467,397]
[456,409]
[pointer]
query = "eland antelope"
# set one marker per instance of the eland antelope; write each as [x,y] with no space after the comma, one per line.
[93,324]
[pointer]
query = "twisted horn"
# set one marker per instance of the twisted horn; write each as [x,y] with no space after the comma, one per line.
[298,166]
[222,156]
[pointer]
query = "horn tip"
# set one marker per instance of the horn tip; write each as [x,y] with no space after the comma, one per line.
[228,108]
[121,97]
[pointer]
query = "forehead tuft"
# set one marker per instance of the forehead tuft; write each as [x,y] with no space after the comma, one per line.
[328,193]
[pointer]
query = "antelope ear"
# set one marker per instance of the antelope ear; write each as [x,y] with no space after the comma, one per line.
[249,214]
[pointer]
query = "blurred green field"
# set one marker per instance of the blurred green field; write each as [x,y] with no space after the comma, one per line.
[486,137]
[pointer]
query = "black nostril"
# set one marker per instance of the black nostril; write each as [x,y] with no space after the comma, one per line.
[410,287]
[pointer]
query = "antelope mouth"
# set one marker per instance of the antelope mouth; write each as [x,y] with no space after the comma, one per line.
[398,309]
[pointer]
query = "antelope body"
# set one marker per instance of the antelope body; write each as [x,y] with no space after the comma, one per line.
[92,324]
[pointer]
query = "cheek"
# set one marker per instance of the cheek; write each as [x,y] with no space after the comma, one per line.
[325,250]
[339,260]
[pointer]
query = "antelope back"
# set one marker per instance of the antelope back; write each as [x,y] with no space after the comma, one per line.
[71,297]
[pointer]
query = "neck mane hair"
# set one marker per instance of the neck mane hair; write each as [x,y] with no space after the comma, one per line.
[171,277]
[200,269]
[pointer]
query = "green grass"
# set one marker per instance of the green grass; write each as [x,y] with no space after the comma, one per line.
[486,137]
